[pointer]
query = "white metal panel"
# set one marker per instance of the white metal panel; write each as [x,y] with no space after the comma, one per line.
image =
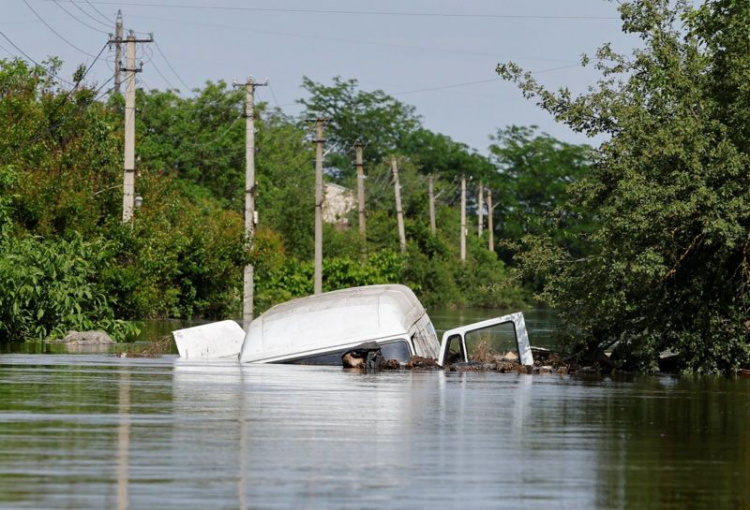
[216,340]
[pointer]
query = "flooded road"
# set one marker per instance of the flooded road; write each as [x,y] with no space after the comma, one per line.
[98,431]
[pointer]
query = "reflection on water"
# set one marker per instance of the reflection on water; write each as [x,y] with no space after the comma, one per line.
[105,432]
[123,442]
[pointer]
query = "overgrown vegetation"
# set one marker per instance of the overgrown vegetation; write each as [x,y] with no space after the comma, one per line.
[183,255]
[668,265]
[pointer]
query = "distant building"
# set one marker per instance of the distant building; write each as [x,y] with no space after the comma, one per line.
[337,202]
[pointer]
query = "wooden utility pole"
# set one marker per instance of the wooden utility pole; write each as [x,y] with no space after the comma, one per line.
[463,219]
[319,140]
[480,209]
[250,222]
[361,192]
[118,51]
[490,223]
[431,194]
[128,195]
[399,210]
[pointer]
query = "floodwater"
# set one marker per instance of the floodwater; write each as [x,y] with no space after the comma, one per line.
[99,431]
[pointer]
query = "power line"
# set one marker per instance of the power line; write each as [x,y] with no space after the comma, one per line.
[96,58]
[34,61]
[97,11]
[99,96]
[158,71]
[170,66]
[444,87]
[19,50]
[355,13]
[218,138]
[273,95]
[169,84]
[95,19]
[65,99]
[78,19]
[468,83]
[6,50]
[55,31]
[147,88]
[316,37]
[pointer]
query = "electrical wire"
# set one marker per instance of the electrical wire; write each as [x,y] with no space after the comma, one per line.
[99,96]
[96,58]
[86,13]
[57,3]
[218,138]
[6,50]
[35,62]
[139,79]
[65,99]
[97,11]
[158,48]
[158,71]
[256,30]
[169,84]
[356,13]
[21,51]
[55,31]
[273,95]
[468,83]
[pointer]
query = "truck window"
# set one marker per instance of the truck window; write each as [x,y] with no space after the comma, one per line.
[455,352]
[397,349]
[497,339]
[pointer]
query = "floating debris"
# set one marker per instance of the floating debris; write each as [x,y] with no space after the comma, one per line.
[155,349]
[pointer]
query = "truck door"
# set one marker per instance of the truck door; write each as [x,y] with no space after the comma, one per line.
[453,347]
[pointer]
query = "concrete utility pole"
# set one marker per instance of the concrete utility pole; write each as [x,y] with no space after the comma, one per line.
[463,219]
[128,187]
[490,224]
[118,52]
[249,273]
[480,209]
[319,140]
[360,192]
[399,209]
[431,194]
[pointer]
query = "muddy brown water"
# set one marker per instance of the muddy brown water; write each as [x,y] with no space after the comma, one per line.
[98,431]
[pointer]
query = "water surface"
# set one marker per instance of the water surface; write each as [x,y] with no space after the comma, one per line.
[98,431]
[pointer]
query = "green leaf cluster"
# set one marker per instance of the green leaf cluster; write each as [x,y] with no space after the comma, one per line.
[668,268]
[50,287]
[184,253]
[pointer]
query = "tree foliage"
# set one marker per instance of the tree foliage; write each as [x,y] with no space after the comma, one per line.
[201,138]
[531,187]
[183,254]
[670,266]
[50,287]
[376,119]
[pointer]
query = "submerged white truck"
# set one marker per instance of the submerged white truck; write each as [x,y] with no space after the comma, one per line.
[320,329]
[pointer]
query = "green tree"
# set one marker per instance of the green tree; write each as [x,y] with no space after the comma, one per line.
[531,188]
[376,119]
[202,138]
[669,268]
[60,147]
[438,154]
[50,287]
[285,174]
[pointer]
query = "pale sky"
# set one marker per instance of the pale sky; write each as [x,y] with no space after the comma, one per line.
[438,55]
